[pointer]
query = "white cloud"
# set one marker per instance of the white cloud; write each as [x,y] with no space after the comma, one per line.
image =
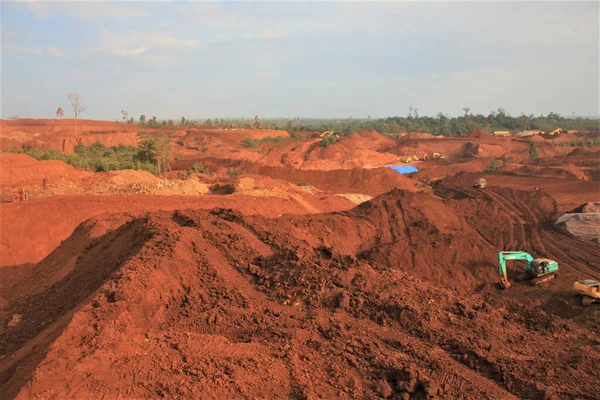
[83,9]
[18,50]
[55,52]
[268,34]
[140,43]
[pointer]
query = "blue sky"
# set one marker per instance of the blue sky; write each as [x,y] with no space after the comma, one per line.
[308,59]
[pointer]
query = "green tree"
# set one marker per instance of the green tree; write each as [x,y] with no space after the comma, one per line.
[142,119]
[533,151]
[492,166]
[155,150]
[198,168]
[182,120]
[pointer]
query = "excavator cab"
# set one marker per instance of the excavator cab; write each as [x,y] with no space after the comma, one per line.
[537,271]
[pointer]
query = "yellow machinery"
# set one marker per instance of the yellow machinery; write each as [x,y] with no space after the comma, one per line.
[557,131]
[327,133]
[589,290]
[437,156]
[481,184]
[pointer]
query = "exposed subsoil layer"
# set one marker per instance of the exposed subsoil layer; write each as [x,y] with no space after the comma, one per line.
[373,181]
[216,304]
[32,229]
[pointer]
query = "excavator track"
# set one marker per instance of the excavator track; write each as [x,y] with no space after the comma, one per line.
[542,279]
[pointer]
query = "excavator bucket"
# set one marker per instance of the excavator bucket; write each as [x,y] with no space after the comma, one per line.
[504,284]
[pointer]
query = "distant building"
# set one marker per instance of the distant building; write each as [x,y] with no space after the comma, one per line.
[501,133]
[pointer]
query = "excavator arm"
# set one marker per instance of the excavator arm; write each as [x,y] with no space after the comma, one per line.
[504,256]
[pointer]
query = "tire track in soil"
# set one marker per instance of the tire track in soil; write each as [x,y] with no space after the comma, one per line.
[515,219]
[460,377]
[573,260]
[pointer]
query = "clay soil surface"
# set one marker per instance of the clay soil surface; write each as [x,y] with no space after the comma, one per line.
[310,273]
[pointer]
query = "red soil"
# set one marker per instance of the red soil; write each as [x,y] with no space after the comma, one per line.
[567,193]
[60,134]
[168,296]
[218,304]
[19,169]
[32,229]
[366,181]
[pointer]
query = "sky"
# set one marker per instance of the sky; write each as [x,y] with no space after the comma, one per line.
[222,59]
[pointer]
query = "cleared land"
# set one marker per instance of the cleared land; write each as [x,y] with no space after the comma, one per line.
[273,283]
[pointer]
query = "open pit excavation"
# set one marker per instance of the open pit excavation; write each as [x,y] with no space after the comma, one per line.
[299,200]
[287,271]
[395,297]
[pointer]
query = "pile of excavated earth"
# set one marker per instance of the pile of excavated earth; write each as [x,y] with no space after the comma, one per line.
[298,281]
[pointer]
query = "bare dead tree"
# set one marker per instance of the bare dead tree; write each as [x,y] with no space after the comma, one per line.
[78,106]
[59,112]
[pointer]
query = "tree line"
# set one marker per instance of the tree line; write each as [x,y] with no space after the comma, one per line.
[440,124]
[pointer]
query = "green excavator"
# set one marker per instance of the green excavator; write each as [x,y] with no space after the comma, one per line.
[537,271]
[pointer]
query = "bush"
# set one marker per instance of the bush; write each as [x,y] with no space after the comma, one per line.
[533,151]
[251,143]
[198,168]
[232,172]
[329,140]
[97,157]
[492,167]
[295,135]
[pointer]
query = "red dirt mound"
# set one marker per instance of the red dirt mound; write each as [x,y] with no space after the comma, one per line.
[32,229]
[364,149]
[215,304]
[373,181]
[60,134]
[22,170]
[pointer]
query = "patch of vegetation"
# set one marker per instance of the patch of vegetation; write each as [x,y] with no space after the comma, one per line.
[233,172]
[492,167]
[329,140]
[254,143]
[198,168]
[533,151]
[251,143]
[153,154]
[584,142]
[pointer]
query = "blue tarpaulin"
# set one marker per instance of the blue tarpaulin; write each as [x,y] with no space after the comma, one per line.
[404,169]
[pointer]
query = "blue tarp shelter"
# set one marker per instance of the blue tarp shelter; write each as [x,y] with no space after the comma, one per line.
[404,169]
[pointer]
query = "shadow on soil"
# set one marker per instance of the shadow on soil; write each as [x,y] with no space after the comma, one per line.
[30,319]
